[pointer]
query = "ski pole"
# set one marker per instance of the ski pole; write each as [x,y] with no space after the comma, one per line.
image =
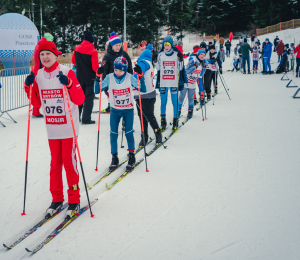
[99,121]
[27,147]
[75,137]
[204,97]
[122,146]
[142,122]
[215,88]
[201,94]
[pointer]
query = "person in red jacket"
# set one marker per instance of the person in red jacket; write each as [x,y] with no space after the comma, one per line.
[230,36]
[48,92]
[179,47]
[297,50]
[279,49]
[85,57]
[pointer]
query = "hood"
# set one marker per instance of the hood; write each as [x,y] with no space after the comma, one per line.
[179,48]
[146,55]
[167,39]
[110,50]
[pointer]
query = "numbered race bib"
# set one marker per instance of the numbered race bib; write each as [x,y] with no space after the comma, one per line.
[214,67]
[54,106]
[168,72]
[122,98]
[192,78]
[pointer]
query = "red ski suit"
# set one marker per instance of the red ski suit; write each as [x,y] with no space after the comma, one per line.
[60,136]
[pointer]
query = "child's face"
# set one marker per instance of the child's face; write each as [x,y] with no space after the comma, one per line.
[119,73]
[167,47]
[47,58]
[212,50]
[201,56]
[116,47]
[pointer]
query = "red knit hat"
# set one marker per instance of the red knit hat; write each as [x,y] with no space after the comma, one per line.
[49,46]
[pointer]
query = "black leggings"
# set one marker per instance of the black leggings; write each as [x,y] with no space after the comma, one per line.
[148,111]
[214,78]
[298,64]
[207,81]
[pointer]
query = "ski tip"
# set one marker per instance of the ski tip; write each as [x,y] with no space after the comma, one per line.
[8,247]
[96,169]
[23,214]
[147,170]
[29,251]
[106,186]
[92,215]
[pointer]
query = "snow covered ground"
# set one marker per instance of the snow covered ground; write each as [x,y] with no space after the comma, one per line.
[225,188]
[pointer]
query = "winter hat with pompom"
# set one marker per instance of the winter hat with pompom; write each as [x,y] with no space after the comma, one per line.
[121,63]
[89,37]
[150,47]
[49,46]
[114,39]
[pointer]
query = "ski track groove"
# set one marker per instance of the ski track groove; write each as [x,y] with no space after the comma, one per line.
[225,247]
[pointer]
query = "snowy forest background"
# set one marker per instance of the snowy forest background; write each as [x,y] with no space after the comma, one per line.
[67,20]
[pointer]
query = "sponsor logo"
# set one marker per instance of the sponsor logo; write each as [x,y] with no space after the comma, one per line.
[25,36]
[59,101]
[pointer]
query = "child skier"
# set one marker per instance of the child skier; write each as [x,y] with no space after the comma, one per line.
[120,85]
[214,70]
[211,57]
[236,65]
[255,57]
[170,75]
[48,91]
[148,99]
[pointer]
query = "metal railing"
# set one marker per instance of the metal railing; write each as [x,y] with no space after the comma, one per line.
[12,94]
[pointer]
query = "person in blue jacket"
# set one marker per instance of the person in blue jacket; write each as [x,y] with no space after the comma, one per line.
[267,56]
[171,76]
[121,85]
[144,66]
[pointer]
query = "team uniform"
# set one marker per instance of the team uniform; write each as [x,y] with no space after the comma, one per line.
[210,73]
[48,92]
[255,57]
[121,92]
[171,76]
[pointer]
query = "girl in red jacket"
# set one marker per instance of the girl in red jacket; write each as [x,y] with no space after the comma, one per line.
[297,50]
[48,92]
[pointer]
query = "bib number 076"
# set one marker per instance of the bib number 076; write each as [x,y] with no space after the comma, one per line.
[53,109]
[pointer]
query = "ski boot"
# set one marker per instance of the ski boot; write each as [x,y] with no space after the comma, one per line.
[190,114]
[195,102]
[131,162]
[73,209]
[158,135]
[249,72]
[91,122]
[39,116]
[54,207]
[175,124]
[216,89]
[297,74]
[114,162]
[163,124]
[141,144]
[106,110]
[208,97]
[244,72]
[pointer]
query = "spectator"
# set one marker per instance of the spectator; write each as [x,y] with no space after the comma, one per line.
[228,47]
[297,50]
[85,57]
[276,41]
[230,36]
[221,41]
[252,40]
[279,49]
[267,56]
[244,50]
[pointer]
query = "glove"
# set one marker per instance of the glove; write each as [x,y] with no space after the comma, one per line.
[63,79]
[100,70]
[180,56]
[30,79]
[180,87]
[138,70]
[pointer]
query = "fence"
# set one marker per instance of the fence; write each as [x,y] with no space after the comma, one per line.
[198,39]
[12,94]
[278,27]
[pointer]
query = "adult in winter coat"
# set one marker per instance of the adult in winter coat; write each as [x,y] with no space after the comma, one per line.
[283,63]
[297,50]
[221,41]
[85,57]
[252,40]
[148,99]
[279,49]
[267,56]
[244,50]
[230,36]
[276,41]
[114,50]
[179,47]
[228,47]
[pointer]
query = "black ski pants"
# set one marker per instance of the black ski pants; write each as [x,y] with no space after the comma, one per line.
[298,64]
[87,107]
[148,113]
[207,81]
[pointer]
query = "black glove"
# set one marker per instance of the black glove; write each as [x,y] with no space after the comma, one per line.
[63,79]
[180,56]
[30,79]
[158,80]
[100,70]
[138,70]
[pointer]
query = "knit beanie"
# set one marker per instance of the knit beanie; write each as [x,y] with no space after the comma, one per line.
[89,37]
[201,51]
[267,39]
[245,40]
[179,42]
[203,45]
[212,47]
[49,46]
[121,63]
[114,39]
[150,47]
